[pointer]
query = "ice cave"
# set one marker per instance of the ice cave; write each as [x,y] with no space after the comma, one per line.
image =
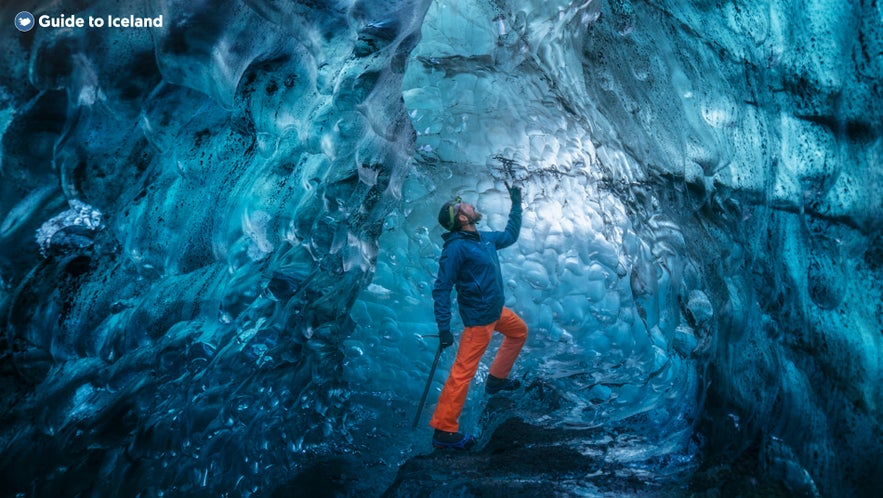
[218,243]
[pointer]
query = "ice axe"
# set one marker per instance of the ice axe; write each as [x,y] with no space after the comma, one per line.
[426,389]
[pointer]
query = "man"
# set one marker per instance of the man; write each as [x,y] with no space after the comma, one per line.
[469,262]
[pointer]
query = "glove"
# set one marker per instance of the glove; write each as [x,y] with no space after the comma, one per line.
[445,338]
[514,193]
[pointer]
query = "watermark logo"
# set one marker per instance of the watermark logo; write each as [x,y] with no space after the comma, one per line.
[24,21]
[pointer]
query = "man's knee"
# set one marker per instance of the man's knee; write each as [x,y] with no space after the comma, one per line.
[511,325]
[519,329]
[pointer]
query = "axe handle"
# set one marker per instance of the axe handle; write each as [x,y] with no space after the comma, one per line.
[426,389]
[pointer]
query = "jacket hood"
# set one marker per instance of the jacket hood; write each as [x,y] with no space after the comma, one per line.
[449,237]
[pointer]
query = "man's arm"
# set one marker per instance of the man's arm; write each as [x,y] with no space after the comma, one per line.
[441,294]
[513,227]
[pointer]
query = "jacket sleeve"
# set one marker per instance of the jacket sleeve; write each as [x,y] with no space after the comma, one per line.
[508,237]
[444,284]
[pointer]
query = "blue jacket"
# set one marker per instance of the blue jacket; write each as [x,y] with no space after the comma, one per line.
[469,262]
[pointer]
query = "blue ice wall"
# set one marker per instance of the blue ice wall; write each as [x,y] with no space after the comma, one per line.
[188,214]
[218,237]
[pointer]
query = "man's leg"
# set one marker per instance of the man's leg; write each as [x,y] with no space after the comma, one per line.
[515,331]
[473,343]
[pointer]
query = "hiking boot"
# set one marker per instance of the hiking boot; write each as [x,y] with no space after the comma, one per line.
[496,384]
[455,440]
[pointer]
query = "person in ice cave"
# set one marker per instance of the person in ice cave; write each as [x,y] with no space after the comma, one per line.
[469,262]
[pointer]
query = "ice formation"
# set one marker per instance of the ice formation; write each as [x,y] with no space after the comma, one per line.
[218,239]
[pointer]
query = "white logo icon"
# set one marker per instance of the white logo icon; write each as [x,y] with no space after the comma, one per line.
[24,21]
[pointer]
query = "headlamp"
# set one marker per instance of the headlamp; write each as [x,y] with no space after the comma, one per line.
[453,211]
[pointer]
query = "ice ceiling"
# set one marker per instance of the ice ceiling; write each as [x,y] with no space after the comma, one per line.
[217,240]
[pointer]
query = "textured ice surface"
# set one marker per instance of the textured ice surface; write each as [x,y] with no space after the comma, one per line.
[80,218]
[217,240]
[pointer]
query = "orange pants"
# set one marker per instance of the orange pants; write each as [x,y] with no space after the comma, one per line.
[473,344]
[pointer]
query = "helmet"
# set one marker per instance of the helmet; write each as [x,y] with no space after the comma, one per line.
[447,216]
